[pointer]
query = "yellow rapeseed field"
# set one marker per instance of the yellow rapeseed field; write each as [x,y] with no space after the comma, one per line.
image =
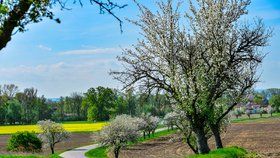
[73,127]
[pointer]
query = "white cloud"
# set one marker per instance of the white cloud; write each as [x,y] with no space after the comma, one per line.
[45,48]
[62,78]
[91,51]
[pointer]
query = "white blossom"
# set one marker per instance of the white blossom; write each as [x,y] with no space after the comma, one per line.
[52,133]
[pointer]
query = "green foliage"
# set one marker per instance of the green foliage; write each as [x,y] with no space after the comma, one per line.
[13,111]
[274,101]
[100,152]
[98,104]
[24,141]
[100,101]
[258,98]
[230,152]
[30,156]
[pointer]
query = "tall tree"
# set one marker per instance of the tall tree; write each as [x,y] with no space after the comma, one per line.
[131,102]
[76,100]
[28,99]
[13,114]
[9,90]
[211,56]
[45,110]
[16,14]
[101,102]
[274,101]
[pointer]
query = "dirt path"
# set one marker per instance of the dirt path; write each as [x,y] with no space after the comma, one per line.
[263,138]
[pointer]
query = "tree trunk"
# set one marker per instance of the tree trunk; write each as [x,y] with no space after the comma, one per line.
[217,135]
[191,145]
[52,149]
[116,152]
[201,141]
[12,22]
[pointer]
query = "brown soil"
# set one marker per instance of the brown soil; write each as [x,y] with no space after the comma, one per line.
[260,137]
[263,138]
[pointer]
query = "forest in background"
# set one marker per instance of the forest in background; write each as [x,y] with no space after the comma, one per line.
[97,104]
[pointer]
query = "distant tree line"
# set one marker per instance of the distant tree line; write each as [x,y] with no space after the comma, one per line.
[269,96]
[97,104]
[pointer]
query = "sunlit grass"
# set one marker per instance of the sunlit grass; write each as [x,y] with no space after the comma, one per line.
[70,127]
[256,118]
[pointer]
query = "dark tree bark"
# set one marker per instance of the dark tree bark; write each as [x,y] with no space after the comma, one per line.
[190,144]
[12,22]
[52,148]
[20,12]
[217,135]
[116,152]
[201,141]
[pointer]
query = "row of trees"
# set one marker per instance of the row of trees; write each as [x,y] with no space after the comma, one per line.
[124,129]
[97,104]
[268,96]
[24,107]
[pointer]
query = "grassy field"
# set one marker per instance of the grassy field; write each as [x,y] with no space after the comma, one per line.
[256,118]
[69,126]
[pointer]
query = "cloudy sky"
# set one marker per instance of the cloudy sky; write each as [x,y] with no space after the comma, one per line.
[77,54]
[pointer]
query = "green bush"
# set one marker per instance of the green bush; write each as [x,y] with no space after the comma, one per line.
[231,152]
[24,142]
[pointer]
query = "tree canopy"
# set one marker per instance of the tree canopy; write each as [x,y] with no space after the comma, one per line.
[205,62]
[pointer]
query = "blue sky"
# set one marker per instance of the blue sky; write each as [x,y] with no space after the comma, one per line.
[77,54]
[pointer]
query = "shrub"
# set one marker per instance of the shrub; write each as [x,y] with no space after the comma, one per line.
[24,141]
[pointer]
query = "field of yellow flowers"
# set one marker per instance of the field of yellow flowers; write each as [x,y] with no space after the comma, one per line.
[70,127]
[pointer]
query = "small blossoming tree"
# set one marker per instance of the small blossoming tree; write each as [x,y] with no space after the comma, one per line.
[52,133]
[121,130]
[170,119]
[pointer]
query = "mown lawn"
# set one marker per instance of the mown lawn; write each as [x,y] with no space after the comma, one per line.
[69,126]
[101,152]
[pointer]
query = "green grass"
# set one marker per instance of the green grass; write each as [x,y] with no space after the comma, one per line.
[101,152]
[230,152]
[256,118]
[156,135]
[29,156]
